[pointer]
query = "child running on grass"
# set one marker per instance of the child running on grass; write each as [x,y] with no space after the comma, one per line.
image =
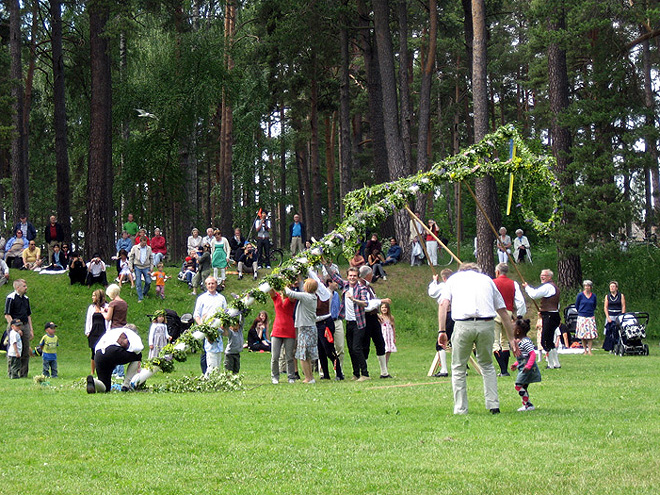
[528,371]
[158,336]
[160,277]
[387,327]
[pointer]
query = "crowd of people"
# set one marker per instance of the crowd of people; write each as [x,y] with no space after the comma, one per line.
[317,320]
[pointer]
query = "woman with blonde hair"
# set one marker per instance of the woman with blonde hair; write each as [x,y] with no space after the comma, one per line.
[305,322]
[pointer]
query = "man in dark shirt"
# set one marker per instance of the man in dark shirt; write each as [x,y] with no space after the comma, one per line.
[17,306]
[54,235]
[393,253]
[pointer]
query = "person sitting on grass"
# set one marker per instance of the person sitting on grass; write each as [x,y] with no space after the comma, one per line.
[96,272]
[4,272]
[77,269]
[247,261]
[125,269]
[58,260]
[258,334]
[528,371]
[393,253]
[375,261]
[32,257]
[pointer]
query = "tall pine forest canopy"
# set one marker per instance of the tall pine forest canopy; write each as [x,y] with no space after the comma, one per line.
[200,113]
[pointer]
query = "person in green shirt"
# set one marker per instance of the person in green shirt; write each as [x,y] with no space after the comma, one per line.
[48,347]
[131,226]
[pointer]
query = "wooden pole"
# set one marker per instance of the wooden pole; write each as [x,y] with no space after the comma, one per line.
[483,212]
[419,238]
[459,226]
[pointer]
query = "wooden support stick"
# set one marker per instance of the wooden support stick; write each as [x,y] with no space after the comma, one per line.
[415,217]
[423,244]
[483,212]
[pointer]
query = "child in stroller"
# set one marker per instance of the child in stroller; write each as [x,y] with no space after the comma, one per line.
[631,329]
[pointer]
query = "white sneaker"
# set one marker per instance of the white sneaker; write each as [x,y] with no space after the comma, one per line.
[275,381]
[291,380]
[526,408]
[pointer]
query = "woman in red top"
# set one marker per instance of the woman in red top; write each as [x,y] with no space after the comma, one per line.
[158,246]
[431,243]
[283,334]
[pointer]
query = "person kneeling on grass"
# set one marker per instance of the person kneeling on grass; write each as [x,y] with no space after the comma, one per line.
[118,346]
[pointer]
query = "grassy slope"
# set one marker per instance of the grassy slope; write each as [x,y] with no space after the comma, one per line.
[595,430]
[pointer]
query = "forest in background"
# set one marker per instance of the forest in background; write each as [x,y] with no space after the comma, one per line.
[198,113]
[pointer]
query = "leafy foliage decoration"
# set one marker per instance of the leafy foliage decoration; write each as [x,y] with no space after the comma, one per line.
[371,206]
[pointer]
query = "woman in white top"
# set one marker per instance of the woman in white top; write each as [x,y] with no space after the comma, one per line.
[305,321]
[194,241]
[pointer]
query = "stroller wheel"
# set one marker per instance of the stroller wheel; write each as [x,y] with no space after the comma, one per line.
[646,349]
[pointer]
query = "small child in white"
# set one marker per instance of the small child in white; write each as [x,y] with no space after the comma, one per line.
[15,348]
[124,269]
[234,347]
[48,347]
[158,336]
[214,351]
[528,371]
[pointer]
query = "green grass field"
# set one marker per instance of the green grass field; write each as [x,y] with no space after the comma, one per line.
[596,428]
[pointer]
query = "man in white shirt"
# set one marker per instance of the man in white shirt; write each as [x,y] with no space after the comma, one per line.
[117,346]
[435,291]
[208,238]
[206,306]
[140,261]
[474,301]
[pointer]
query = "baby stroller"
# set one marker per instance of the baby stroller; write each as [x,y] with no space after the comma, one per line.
[632,329]
[570,323]
[175,325]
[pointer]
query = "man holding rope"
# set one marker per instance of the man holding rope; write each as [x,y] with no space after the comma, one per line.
[475,301]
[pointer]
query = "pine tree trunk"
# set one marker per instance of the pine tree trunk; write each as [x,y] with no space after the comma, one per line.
[99,236]
[345,146]
[485,189]
[19,163]
[404,88]
[227,179]
[330,136]
[569,268]
[395,154]
[651,144]
[374,95]
[316,227]
[63,195]
[425,90]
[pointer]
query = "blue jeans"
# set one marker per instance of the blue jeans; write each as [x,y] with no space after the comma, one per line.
[158,257]
[139,273]
[50,367]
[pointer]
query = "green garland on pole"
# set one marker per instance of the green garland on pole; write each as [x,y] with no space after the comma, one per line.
[371,206]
